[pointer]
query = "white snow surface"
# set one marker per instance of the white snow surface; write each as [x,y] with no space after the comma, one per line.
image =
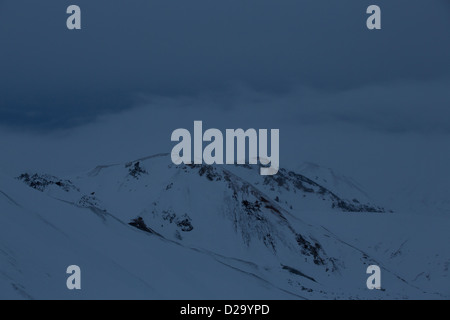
[202,232]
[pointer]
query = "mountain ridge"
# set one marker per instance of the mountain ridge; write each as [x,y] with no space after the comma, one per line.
[244,222]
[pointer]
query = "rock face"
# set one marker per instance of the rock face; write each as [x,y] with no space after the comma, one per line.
[43,181]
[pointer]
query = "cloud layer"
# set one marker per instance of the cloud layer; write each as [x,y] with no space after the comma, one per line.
[52,77]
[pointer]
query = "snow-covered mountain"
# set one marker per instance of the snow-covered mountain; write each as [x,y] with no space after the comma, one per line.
[151,229]
[343,186]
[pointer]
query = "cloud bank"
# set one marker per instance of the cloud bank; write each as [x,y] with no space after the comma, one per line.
[52,77]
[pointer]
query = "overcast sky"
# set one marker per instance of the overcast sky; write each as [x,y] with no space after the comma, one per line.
[373,105]
[127,50]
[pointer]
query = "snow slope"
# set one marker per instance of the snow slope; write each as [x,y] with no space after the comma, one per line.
[149,229]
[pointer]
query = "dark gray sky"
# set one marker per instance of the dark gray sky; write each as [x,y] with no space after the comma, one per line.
[52,77]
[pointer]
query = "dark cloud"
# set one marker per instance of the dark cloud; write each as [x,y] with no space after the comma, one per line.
[51,76]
